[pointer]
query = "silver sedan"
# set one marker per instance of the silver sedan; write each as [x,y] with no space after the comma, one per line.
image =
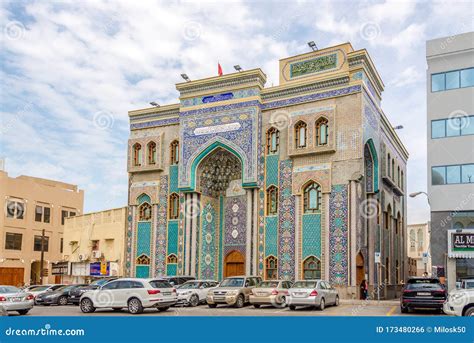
[13,299]
[315,293]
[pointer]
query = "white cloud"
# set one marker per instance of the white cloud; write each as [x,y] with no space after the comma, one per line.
[408,76]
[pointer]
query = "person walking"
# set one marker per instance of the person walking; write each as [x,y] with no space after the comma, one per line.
[364,291]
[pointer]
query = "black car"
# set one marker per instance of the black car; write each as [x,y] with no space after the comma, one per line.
[59,296]
[423,293]
[177,280]
[75,294]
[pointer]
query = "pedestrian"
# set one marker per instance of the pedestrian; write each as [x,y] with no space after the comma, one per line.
[364,291]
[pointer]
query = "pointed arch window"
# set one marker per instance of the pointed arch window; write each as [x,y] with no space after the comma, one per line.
[412,239]
[174,152]
[273,140]
[151,153]
[137,155]
[388,165]
[312,198]
[311,268]
[143,260]
[174,206]
[144,211]
[271,268]
[322,131]
[172,259]
[300,134]
[272,200]
[393,169]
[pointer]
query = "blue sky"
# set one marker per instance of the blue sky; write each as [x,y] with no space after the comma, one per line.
[71,71]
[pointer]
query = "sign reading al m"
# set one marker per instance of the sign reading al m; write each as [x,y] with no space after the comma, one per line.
[461,242]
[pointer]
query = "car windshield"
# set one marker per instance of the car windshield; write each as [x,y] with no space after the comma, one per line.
[423,283]
[232,282]
[304,284]
[100,282]
[268,284]
[39,288]
[9,289]
[190,285]
[160,284]
[65,288]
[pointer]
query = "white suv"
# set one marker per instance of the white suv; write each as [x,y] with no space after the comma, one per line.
[133,293]
[460,303]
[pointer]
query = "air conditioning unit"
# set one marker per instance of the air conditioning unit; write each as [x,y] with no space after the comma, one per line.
[96,254]
[83,257]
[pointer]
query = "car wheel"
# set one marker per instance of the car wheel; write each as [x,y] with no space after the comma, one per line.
[322,305]
[403,309]
[194,300]
[212,305]
[62,301]
[87,306]
[163,309]
[256,305]
[135,306]
[240,301]
[283,301]
[292,307]
[469,312]
[336,303]
[23,312]
[117,309]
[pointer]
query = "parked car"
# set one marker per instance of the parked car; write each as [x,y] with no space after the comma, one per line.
[315,293]
[35,291]
[466,284]
[423,293]
[58,297]
[14,299]
[132,293]
[177,280]
[270,293]
[192,293]
[460,302]
[233,291]
[75,294]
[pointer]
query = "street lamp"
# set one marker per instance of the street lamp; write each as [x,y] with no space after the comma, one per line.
[398,127]
[154,104]
[185,77]
[415,194]
[238,67]
[312,45]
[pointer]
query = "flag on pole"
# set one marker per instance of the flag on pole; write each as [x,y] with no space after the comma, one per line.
[219,69]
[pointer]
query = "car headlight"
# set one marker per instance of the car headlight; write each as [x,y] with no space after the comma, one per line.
[232,292]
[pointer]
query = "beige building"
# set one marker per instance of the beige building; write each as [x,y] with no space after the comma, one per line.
[32,205]
[94,245]
[419,248]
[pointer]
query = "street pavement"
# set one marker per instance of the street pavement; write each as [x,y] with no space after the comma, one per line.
[359,309]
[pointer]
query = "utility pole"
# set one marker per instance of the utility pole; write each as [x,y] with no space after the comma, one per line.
[42,257]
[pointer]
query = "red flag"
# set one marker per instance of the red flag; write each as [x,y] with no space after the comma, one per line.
[219,69]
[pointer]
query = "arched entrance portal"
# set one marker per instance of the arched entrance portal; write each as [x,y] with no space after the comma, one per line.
[234,264]
[360,271]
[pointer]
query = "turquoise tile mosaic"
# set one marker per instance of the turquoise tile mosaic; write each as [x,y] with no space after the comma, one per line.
[311,235]
[271,236]
[143,239]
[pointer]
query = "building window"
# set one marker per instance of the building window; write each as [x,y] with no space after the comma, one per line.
[13,241]
[273,140]
[151,153]
[322,131]
[95,245]
[144,211]
[398,176]
[455,174]
[311,268]
[66,214]
[271,268]
[452,127]
[172,259]
[412,240]
[420,239]
[388,165]
[174,206]
[174,152]
[272,200]
[452,80]
[143,259]
[393,169]
[61,245]
[312,198]
[137,155]
[37,243]
[401,180]
[42,214]
[300,134]
[15,209]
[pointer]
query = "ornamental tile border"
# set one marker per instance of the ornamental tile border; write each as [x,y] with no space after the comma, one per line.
[286,230]
[338,235]
[161,227]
